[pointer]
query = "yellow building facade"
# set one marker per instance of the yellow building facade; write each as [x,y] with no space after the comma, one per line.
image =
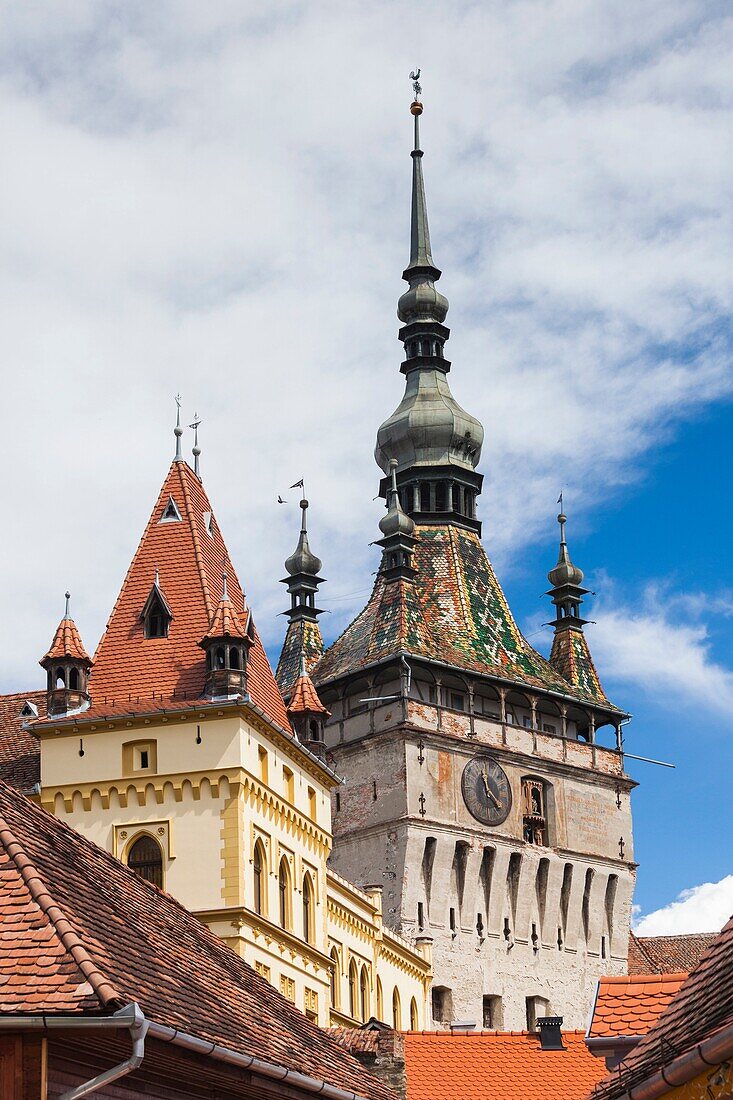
[211,794]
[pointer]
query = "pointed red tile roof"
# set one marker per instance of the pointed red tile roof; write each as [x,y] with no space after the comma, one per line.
[305,698]
[66,643]
[301,636]
[20,755]
[80,933]
[226,622]
[191,557]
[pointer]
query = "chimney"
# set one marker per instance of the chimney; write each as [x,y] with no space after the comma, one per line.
[550,1034]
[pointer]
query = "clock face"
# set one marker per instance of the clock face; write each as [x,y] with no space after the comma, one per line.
[486,790]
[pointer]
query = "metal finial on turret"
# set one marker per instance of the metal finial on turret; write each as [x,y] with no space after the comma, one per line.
[196,450]
[178,430]
[66,612]
[302,670]
[224,591]
[396,521]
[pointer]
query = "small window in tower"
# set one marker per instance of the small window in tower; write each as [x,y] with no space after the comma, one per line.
[156,614]
[424,497]
[441,497]
[28,710]
[534,811]
[208,524]
[144,760]
[170,512]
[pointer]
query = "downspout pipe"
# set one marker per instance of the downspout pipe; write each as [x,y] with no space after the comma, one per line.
[130,1018]
[708,1054]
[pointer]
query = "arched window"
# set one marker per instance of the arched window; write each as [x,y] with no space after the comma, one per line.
[380,1001]
[233,657]
[364,994]
[146,859]
[396,1010]
[353,982]
[259,869]
[60,678]
[283,883]
[308,909]
[219,661]
[414,1024]
[74,679]
[535,820]
[335,978]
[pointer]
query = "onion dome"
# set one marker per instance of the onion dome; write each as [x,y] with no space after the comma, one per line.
[303,560]
[564,572]
[396,522]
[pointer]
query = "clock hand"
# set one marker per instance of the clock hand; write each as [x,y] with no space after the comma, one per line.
[489,791]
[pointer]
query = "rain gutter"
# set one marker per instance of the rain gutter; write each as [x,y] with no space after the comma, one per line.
[129,1018]
[708,1054]
[132,1019]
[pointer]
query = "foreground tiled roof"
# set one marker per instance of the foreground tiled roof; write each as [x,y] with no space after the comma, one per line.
[631,1005]
[301,637]
[66,643]
[667,954]
[454,612]
[20,759]
[79,932]
[702,1006]
[190,557]
[358,1040]
[499,1065]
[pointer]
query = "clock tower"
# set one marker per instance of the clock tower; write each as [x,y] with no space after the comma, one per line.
[484,787]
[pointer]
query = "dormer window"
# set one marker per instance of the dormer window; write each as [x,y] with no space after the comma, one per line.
[156,615]
[208,519]
[170,512]
[28,710]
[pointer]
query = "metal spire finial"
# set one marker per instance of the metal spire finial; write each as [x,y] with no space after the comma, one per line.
[157,577]
[196,449]
[66,612]
[178,430]
[302,671]
[224,591]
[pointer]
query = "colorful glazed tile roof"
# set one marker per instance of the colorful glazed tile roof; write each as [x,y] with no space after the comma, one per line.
[190,558]
[455,613]
[80,932]
[703,1006]
[570,656]
[66,643]
[301,637]
[631,1005]
[667,954]
[497,1065]
[304,699]
[20,754]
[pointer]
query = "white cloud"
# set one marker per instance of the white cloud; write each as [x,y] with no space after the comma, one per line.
[704,908]
[647,645]
[214,198]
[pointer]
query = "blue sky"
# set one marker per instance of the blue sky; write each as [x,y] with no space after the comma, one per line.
[206,199]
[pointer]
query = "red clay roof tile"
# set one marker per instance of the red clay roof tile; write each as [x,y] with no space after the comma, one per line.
[66,643]
[20,760]
[500,1065]
[630,1005]
[667,954]
[304,699]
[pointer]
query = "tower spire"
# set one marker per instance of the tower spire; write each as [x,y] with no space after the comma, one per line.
[436,443]
[303,636]
[178,430]
[196,450]
[566,580]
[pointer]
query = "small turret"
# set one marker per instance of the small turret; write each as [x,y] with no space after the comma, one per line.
[67,665]
[227,645]
[567,591]
[303,635]
[398,531]
[306,712]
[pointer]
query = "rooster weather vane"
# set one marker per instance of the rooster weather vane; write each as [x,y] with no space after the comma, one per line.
[416,85]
